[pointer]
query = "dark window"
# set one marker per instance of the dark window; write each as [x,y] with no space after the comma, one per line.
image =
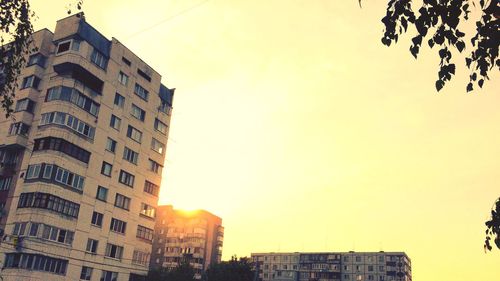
[141,92]
[155,167]
[30,82]
[144,233]
[111,145]
[92,245]
[57,144]
[73,96]
[126,178]
[37,59]
[134,134]
[160,126]
[48,201]
[122,201]
[25,105]
[86,273]
[99,59]
[138,113]
[117,225]
[36,262]
[130,155]
[144,75]
[109,276]
[106,169]
[97,219]
[126,61]
[114,251]
[151,188]
[119,100]
[102,193]
[63,47]
[19,128]
[115,122]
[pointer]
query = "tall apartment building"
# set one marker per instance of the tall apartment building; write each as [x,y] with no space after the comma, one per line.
[333,266]
[81,160]
[195,237]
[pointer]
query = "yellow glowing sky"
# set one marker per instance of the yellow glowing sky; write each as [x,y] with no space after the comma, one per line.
[295,125]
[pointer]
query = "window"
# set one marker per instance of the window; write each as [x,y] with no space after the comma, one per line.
[115,122]
[155,167]
[130,155]
[134,134]
[37,59]
[30,82]
[126,178]
[25,105]
[165,108]
[92,246]
[151,188]
[66,45]
[157,146]
[97,219]
[138,113]
[126,61]
[19,228]
[122,201]
[67,120]
[119,100]
[57,144]
[99,59]
[36,262]
[73,96]
[141,92]
[86,273]
[102,193]
[5,183]
[122,78]
[144,75]
[147,210]
[111,145]
[113,251]
[34,229]
[358,259]
[19,128]
[118,226]
[56,234]
[160,126]
[144,233]
[33,171]
[109,276]
[106,169]
[50,202]
[69,179]
[140,258]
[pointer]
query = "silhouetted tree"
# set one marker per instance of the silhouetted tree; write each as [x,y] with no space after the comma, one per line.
[437,24]
[16,28]
[493,228]
[183,272]
[233,270]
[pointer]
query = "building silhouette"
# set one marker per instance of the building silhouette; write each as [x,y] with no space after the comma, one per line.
[194,237]
[332,266]
[81,159]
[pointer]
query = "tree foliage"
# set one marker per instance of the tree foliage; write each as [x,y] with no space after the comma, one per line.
[493,228]
[183,272]
[233,270]
[437,23]
[16,27]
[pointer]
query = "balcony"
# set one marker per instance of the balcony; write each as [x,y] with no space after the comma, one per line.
[9,158]
[80,69]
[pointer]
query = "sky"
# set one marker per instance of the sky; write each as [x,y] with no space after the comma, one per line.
[294,124]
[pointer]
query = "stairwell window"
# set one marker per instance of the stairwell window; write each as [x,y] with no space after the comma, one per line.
[123,78]
[141,92]
[118,226]
[122,201]
[115,122]
[126,178]
[134,134]
[138,113]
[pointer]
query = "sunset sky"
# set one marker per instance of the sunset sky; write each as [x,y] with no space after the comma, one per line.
[303,132]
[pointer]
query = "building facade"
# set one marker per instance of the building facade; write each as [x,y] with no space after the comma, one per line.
[333,266]
[81,159]
[195,237]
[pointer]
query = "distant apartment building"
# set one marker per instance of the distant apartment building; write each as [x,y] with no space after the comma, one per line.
[195,237]
[333,266]
[81,160]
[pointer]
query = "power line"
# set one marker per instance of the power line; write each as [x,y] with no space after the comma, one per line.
[199,4]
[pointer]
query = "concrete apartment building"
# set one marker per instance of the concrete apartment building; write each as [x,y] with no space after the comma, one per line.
[195,237]
[333,266]
[81,160]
